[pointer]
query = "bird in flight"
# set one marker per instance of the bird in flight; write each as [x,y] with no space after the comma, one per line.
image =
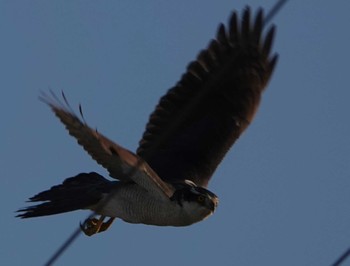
[191,129]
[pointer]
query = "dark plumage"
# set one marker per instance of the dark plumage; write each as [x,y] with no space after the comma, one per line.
[74,193]
[212,104]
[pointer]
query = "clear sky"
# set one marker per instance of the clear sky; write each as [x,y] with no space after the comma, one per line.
[284,187]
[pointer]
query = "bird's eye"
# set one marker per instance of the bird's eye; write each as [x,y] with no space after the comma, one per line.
[200,198]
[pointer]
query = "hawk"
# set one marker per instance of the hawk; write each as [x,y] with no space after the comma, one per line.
[191,129]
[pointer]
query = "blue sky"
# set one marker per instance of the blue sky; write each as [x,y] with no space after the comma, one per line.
[284,187]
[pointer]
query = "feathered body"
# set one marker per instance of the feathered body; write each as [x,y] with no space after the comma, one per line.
[187,136]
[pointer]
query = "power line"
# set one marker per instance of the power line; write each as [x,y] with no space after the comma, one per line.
[63,247]
[275,9]
[342,258]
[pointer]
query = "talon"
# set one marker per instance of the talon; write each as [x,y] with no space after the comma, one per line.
[106,225]
[93,226]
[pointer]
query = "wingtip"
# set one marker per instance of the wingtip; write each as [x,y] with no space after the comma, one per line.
[221,35]
[273,62]
[267,46]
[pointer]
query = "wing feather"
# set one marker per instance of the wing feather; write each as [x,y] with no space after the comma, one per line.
[121,163]
[212,104]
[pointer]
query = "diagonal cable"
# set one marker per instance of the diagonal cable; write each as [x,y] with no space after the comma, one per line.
[342,258]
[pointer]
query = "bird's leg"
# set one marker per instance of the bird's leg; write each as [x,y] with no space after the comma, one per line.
[93,226]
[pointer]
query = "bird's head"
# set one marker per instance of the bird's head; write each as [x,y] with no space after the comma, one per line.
[197,201]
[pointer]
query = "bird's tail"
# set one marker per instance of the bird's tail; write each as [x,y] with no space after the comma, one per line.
[77,192]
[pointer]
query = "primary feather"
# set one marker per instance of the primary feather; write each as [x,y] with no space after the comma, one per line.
[212,104]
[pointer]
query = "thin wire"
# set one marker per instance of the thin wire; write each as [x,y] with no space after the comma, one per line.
[274,10]
[159,141]
[63,247]
[342,258]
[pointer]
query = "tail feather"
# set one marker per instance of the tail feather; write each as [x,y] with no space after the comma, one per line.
[78,192]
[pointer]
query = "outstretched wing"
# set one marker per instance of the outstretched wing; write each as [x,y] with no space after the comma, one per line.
[198,120]
[121,163]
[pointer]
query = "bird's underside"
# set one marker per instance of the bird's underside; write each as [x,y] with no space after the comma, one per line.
[187,136]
